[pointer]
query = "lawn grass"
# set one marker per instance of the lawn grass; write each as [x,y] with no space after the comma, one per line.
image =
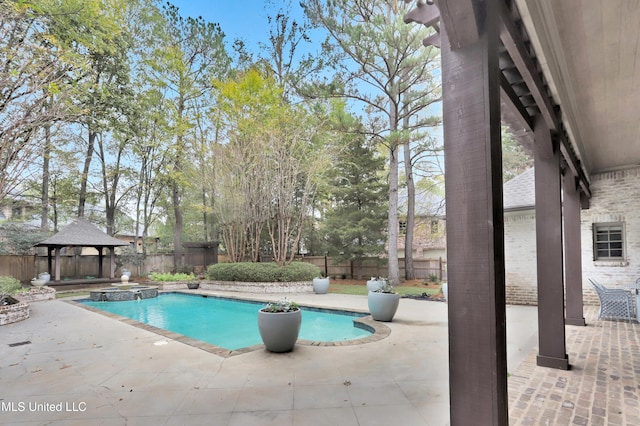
[73,294]
[355,289]
[361,290]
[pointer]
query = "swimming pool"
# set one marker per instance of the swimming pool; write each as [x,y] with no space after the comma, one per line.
[228,323]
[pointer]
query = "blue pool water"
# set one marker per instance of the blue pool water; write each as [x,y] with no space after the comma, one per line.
[227,323]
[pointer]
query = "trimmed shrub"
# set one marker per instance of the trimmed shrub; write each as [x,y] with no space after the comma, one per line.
[9,285]
[185,269]
[262,272]
[156,276]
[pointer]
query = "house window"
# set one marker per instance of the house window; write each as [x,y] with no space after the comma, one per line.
[434,227]
[403,227]
[608,241]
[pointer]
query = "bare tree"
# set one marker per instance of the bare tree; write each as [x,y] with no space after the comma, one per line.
[31,71]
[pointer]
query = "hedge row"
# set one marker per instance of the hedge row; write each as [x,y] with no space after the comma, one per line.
[262,272]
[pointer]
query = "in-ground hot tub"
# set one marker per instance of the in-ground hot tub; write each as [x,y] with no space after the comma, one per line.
[135,292]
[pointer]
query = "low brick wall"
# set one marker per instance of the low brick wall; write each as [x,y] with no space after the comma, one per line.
[170,285]
[14,313]
[37,294]
[262,287]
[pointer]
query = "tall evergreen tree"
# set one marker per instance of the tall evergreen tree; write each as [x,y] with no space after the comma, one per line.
[354,224]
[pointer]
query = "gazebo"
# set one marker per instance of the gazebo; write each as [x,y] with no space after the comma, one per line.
[81,233]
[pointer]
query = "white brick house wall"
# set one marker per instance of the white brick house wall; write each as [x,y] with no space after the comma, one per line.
[615,198]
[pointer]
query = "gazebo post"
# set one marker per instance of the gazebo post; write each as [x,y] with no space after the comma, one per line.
[57,248]
[112,261]
[49,259]
[100,258]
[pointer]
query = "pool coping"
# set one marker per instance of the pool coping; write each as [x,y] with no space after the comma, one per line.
[379,330]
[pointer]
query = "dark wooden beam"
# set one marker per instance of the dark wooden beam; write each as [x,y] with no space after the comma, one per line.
[432,40]
[100,261]
[475,224]
[459,17]
[512,100]
[515,45]
[572,251]
[574,164]
[549,249]
[521,56]
[423,14]
[50,261]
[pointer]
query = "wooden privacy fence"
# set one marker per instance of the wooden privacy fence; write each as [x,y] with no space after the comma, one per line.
[377,267]
[21,267]
[25,268]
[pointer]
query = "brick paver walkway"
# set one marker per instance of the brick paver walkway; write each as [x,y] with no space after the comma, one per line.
[602,387]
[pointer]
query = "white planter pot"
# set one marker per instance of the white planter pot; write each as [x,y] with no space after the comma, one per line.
[45,276]
[445,291]
[279,330]
[383,306]
[38,282]
[373,285]
[321,285]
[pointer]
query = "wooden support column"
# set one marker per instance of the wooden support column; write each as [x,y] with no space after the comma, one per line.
[100,260]
[57,275]
[112,261]
[551,333]
[572,251]
[475,225]
[50,260]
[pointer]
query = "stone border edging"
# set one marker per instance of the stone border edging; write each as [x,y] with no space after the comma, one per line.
[379,330]
[258,287]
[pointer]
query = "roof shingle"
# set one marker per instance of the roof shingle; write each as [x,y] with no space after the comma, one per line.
[81,233]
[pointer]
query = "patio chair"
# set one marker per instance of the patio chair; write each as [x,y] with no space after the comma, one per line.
[615,303]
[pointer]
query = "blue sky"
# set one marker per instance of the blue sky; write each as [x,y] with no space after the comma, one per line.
[246,19]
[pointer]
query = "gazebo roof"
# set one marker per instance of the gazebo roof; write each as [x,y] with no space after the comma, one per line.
[83,234]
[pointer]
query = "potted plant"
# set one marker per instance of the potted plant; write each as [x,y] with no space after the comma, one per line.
[279,324]
[375,283]
[38,282]
[383,302]
[321,285]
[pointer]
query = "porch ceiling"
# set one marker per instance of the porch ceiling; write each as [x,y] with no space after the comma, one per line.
[590,54]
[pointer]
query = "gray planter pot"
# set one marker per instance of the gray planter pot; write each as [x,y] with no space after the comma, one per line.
[383,306]
[321,285]
[279,330]
[45,276]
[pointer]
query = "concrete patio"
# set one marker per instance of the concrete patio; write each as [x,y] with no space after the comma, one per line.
[83,368]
